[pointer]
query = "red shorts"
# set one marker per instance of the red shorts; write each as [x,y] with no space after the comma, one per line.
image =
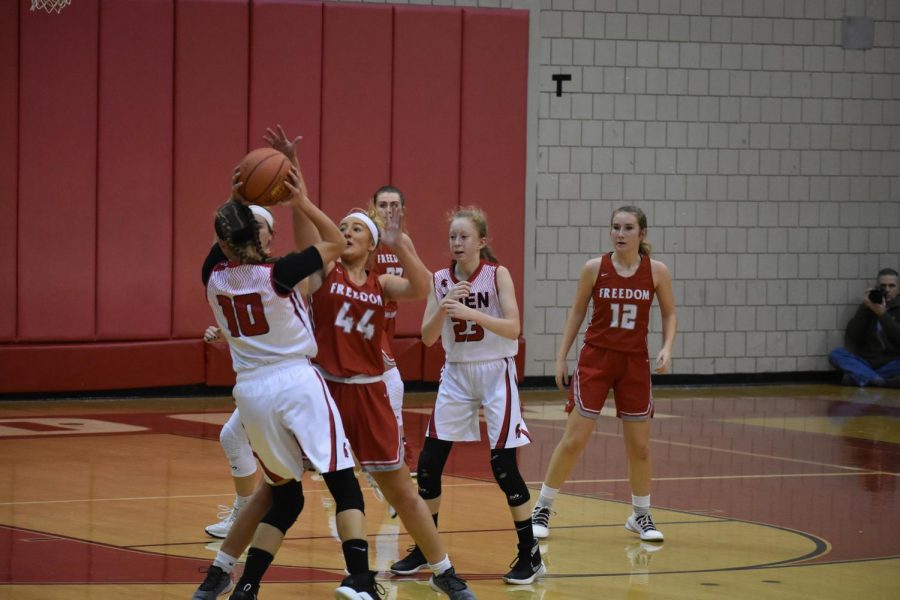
[369,424]
[600,369]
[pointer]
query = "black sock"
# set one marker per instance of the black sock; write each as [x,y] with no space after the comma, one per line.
[356,555]
[525,534]
[254,569]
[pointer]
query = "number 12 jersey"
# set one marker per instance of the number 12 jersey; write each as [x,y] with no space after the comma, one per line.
[621,316]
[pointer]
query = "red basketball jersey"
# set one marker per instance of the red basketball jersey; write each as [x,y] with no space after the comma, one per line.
[349,324]
[388,262]
[621,314]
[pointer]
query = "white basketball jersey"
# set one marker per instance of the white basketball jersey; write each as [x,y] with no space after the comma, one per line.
[262,325]
[466,341]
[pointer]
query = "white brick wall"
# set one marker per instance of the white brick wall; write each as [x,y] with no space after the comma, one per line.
[766,157]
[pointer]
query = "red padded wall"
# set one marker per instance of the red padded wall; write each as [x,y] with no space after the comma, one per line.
[126,136]
[57,173]
[99,366]
[425,148]
[494,95]
[9,164]
[134,177]
[356,104]
[211,45]
[285,88]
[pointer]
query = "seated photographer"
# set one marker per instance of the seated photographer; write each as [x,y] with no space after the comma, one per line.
[871,353]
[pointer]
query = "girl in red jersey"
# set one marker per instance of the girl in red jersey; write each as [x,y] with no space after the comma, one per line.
[473,309]
[348,306]
[621,285]
[386,199]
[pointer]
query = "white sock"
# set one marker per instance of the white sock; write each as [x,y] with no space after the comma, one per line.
[548,495]
[441,565]
[240,501]
[640,504]
[224,561]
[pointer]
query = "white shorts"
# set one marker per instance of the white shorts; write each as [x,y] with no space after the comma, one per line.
[287,412]
[394,384]
[466,387]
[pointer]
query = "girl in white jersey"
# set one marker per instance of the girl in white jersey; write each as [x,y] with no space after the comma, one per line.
[473,309]
[284,403]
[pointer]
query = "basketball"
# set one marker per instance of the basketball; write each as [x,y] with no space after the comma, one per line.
[262,173]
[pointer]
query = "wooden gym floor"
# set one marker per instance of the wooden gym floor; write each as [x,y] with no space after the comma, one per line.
[762,492]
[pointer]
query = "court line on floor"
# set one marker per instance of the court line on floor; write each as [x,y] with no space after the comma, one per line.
[468,484]
[725,450]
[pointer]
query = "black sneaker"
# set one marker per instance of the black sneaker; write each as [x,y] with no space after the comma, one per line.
[527,566]
[217,583]
[451,584]
[247,592]
[413,563]
[361,586]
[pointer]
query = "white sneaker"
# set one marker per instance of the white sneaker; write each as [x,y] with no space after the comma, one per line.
[540,521]
[643,525]
[228,514]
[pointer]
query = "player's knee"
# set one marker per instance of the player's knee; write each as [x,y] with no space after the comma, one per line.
[287,503]
[574,442]
[506,472]
[431,467]
[639,451]
[237,450]
[344,488]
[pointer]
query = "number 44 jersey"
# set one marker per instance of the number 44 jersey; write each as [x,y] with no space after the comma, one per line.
[621,314]
[349,322]
[466,341]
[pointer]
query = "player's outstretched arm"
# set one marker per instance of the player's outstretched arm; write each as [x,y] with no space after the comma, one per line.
[418,279]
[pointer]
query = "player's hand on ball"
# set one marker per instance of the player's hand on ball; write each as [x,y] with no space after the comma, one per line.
[236,185]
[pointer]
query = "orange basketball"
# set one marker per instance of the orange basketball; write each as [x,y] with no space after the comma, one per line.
[263,172]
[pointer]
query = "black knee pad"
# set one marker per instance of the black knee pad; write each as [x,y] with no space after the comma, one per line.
[345,490]
[287,503]
[506,472]
[431,466]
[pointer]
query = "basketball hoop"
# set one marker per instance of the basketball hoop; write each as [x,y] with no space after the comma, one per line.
[50,6]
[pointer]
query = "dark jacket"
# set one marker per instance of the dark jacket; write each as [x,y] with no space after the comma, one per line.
[864,339]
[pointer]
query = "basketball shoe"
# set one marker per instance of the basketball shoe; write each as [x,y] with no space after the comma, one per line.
[217,583]
[227,516]
[413,562]
[247,592]
[643,525]
[527,566]
[361,586]
[451,584]
[540,521]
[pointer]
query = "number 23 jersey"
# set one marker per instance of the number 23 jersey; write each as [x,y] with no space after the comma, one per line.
[466,341]
[349,324]
[621,316]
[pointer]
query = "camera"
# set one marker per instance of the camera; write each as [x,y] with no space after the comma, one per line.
[876,296]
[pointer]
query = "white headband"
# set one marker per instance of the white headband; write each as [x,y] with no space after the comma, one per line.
[373,229]
[259,211]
